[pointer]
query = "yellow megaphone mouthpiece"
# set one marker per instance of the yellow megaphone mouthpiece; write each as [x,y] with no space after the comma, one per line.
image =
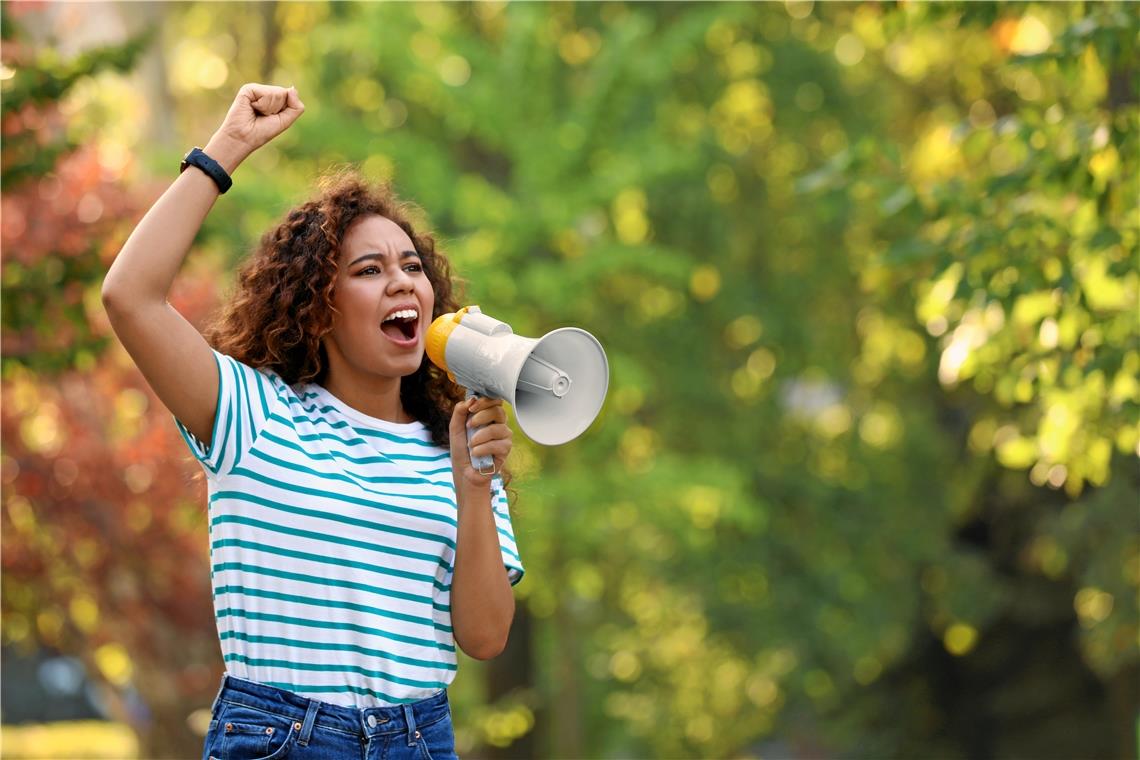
[441,328]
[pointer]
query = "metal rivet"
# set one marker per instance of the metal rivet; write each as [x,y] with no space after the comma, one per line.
[296,726]
[229,726]
[417,734]
[372,721]
[269,730]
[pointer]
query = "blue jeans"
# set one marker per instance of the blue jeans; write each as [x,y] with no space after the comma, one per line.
[252,721]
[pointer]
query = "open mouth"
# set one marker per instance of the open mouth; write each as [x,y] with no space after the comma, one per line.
[401,326]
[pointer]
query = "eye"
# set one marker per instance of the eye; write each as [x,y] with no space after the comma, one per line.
[414,268]
[368,270]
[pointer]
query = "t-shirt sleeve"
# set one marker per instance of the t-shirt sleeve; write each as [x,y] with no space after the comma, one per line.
[511,559]
[245,397]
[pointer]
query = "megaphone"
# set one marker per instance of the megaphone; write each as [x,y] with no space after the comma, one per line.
[555,383]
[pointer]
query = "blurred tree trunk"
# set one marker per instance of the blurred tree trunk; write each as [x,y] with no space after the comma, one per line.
[271,35]
[565,729]
[1123,696]
[509,674]
[152,70]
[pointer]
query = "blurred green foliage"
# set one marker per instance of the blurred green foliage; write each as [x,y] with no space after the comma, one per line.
[45,321]
[42,80]
[866,274]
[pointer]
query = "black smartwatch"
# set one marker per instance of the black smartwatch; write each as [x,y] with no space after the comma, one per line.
[197,157]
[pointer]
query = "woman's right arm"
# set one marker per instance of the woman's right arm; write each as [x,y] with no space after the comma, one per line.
[173,356]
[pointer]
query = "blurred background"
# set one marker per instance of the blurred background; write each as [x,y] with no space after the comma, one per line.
[866,483]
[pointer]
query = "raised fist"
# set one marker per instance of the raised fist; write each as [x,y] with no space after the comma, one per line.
[259,113]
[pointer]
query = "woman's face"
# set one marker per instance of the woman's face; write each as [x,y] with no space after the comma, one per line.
[384,302]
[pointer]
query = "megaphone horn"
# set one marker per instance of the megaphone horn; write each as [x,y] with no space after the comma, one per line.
[555,383]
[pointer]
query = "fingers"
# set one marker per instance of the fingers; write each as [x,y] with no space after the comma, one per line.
[478,403]
[292,110]
[479,411]
[484,411]
[459,415]
[492,435]
[499,448]
[293,100]
[271,102]
[492,438]
[267,100]
[257,95]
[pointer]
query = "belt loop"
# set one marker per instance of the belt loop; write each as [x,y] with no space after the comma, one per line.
[410,717]
[218,698]
[310,719]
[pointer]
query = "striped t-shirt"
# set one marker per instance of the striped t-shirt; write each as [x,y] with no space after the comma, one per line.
[332,543]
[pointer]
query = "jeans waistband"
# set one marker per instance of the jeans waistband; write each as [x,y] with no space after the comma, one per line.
[358,721]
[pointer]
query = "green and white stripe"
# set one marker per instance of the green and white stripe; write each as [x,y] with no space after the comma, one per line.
[332,544]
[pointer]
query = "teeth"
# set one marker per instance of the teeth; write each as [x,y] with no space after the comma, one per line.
[402,314]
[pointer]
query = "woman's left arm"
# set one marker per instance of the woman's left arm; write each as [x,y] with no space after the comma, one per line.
[482,603]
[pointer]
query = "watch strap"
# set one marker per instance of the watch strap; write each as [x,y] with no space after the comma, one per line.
[198,158]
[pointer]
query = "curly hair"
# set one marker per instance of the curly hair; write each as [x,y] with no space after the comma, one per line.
[283,304]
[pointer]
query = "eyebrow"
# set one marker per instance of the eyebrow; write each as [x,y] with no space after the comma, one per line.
[381,256]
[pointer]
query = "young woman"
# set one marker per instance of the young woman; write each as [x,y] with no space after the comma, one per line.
[352,544]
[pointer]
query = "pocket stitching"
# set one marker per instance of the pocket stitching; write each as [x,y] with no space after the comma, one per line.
[422,743]
[287,747]
[445,716]
[247,728]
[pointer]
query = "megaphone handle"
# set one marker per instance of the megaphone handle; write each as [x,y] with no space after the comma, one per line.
[485,464]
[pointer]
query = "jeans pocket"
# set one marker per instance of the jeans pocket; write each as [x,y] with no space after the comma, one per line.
[243,733]
[437,741]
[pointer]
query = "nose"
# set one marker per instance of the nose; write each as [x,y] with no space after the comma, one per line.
[400,282]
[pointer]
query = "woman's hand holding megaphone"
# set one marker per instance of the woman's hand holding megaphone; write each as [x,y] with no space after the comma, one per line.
[492,438]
